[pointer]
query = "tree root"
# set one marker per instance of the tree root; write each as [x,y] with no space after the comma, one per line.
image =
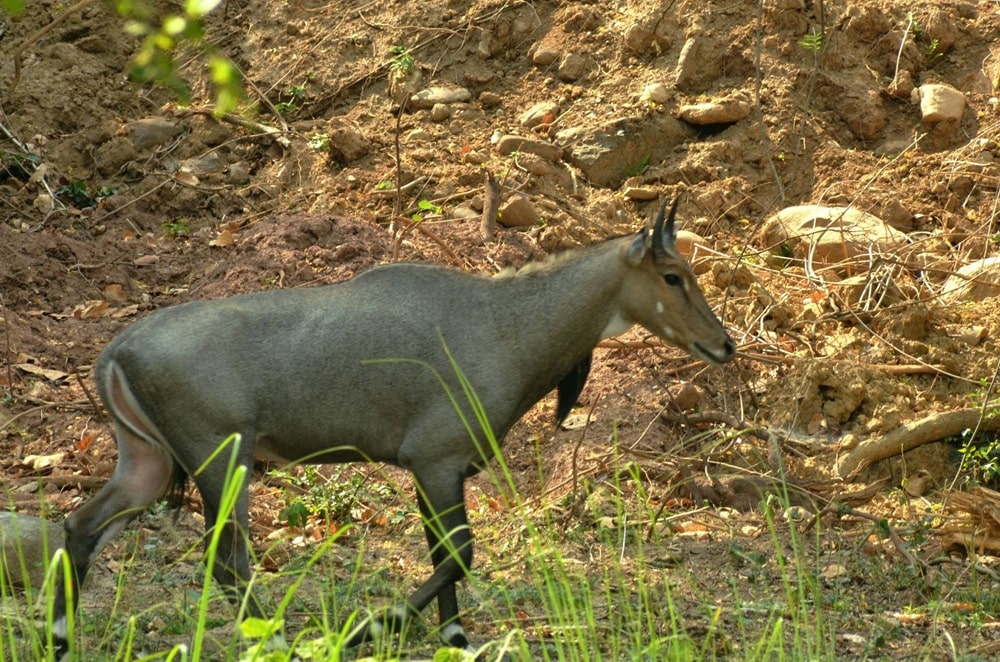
[916,433]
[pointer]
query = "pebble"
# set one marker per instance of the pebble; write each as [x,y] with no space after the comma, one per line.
[490,99]
[543,112]
[724,111]
[440,112]
[656,93]
[427,97]
[152,131]
[517,212]
[571,67]
[544,56]
[509,144]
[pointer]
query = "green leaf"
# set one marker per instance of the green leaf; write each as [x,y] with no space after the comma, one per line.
[259,628]
[200,8]
[14,7]
[174,25]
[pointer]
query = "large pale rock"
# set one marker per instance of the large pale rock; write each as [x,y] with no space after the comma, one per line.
[609,154]
[26,545]
[829,236]
[940,102]
[975,281]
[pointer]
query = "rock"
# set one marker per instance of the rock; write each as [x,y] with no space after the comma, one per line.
[238,174]
[152,131]
[426,98]
[655,93]
[974,282]
[30,540]
[347,142]
[685,396]
[404,84]
[571,67]
[475,157]
[691,245]
[113,154]
[902,85]
[509,144]
[440,112]
[544,55]
[517,212]
[201,167]
[695,66]
[419,136]
[828,235]
[641,193]
[608,154]
[939,102]
[723,111]
[543,112]
[863,112]
[898,216]
[490,99]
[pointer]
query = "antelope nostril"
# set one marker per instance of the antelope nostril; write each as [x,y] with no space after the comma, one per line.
[729,348]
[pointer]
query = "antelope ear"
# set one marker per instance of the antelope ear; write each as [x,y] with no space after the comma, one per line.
[637,250]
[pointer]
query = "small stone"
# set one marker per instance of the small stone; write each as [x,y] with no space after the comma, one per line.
[440,112]
[902,85]
[517,212]
[43,203]
[571,67]
[724,111]
[544,56]
[509,144]
[691,245]
[543,112]
[475,158]
[238,173]
[490,99]
[898,216]
[940,102]
[419,136]
[426,98]
[641,193]
[152,131]
[685,396]
[347,142]
[655,93]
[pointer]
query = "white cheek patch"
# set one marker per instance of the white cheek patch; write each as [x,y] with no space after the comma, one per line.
[659,307]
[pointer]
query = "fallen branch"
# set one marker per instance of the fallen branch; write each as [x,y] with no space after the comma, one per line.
[917,433]
[491,203]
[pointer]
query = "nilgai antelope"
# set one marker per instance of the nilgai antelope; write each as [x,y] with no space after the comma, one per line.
[366,370]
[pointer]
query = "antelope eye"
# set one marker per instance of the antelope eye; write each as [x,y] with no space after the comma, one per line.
[673,280]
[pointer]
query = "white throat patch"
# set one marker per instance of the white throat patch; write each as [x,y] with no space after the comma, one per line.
[617,325]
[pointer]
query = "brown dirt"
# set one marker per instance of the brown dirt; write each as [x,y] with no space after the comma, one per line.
[821,372]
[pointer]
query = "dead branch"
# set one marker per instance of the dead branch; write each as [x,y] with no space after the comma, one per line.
[491,203]
[906,437]
[916,564]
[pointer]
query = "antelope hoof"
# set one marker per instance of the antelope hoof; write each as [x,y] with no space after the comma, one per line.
[390,621]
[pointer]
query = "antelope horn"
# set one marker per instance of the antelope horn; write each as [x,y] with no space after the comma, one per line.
[664,240]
